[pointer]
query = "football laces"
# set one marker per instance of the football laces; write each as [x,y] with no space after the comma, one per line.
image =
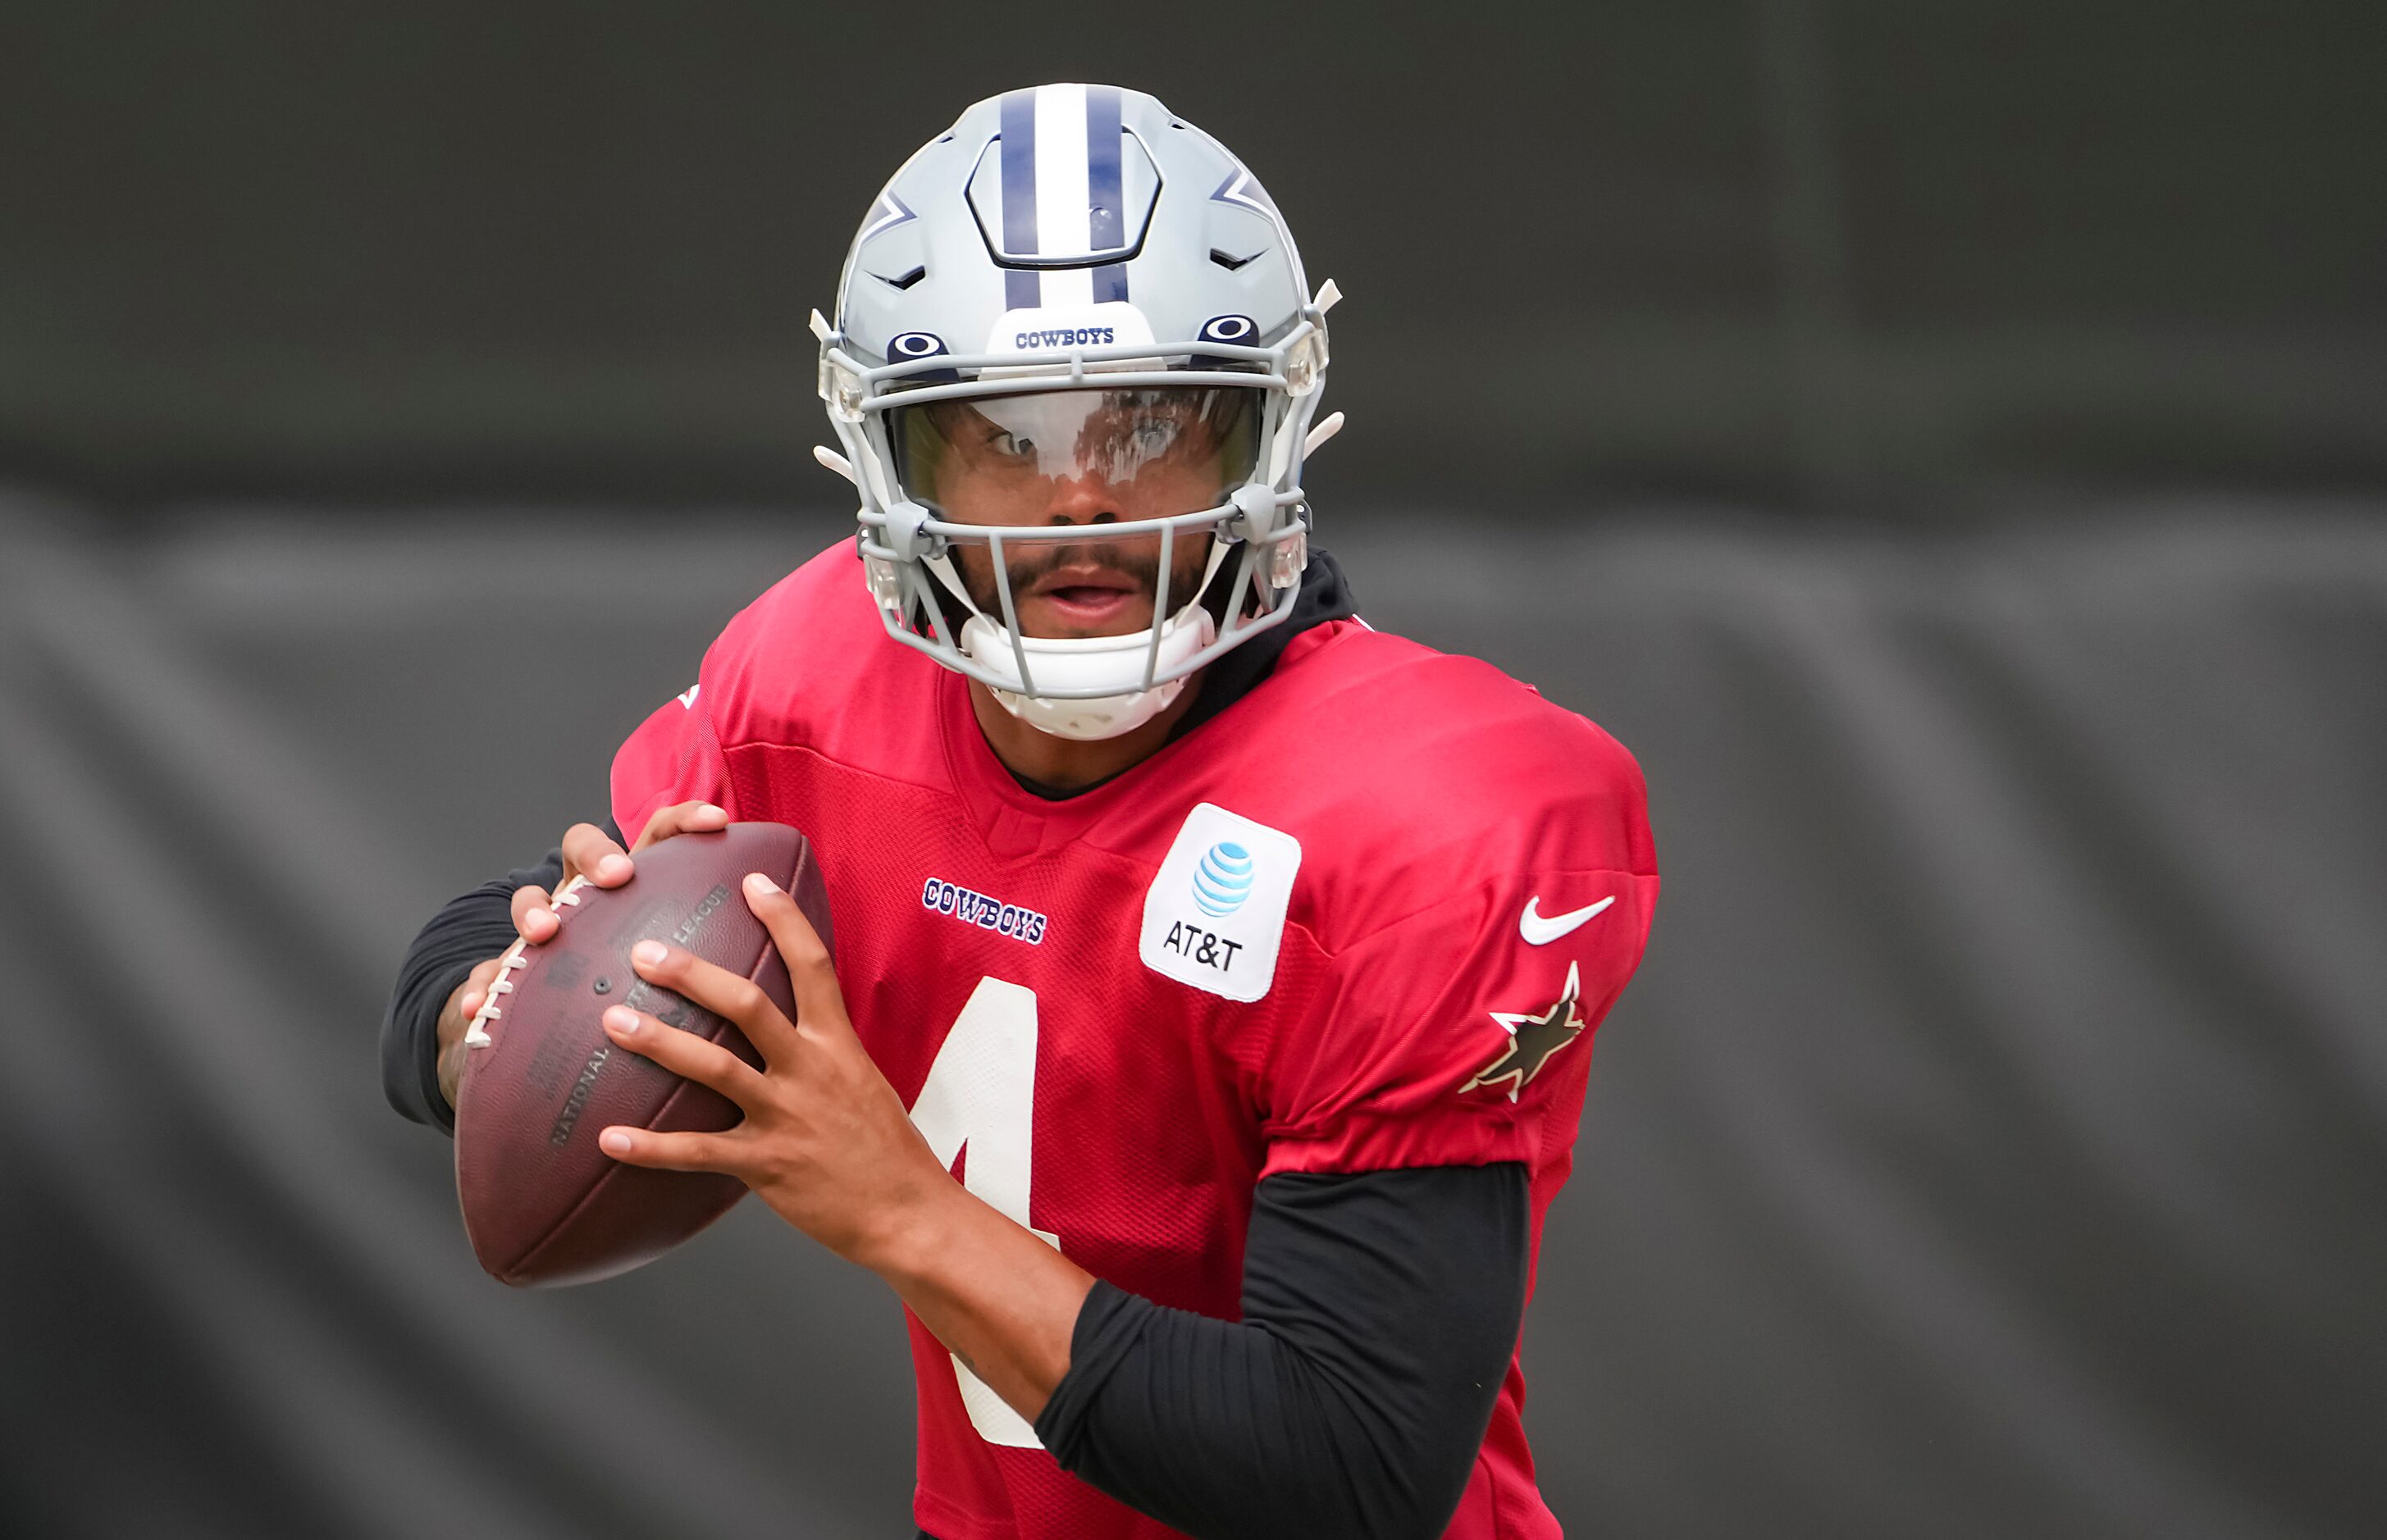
[477,1033]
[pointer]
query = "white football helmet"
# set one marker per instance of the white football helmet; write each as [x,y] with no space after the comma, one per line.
[1078,287]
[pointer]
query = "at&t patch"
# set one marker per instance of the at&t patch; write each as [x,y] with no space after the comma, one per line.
[1214,917]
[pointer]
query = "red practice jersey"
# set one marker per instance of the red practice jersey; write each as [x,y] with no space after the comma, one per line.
[1365,918]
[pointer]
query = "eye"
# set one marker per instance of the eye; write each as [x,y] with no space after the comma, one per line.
[1010,445]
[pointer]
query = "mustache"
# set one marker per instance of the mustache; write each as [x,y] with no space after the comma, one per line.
[1135,557]
[1025,571]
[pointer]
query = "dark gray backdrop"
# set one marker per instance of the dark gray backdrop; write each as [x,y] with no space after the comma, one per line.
[1943,442]
[1916,257]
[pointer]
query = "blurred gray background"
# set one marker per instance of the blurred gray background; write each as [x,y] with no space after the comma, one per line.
[1948,444]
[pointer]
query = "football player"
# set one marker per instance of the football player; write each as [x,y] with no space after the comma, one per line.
[1215,976]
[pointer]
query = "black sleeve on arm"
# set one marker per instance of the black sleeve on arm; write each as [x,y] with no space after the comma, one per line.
[1380,1312]
[470,930]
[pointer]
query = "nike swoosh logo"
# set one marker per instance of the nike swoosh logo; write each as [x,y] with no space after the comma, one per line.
[1539,931]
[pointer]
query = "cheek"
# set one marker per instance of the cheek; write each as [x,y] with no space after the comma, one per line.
[1185,569]
[1172,488]
[977,573]
[996,499]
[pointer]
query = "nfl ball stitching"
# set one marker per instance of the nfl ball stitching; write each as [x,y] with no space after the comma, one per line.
[475,1033]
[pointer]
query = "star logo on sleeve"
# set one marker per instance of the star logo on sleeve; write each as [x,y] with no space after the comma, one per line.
[1534,1037]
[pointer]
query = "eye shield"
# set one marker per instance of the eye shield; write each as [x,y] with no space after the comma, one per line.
[1037,457]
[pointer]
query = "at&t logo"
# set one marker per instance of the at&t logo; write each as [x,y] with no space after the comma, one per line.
[1223,880]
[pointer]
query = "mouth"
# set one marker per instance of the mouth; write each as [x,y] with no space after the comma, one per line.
[1086,597]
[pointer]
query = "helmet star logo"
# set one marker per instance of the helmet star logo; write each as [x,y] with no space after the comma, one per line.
[1534,1037]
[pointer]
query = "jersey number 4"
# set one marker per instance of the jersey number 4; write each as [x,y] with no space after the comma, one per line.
[981,1093]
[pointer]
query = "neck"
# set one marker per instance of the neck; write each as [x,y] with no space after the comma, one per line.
[1069,763]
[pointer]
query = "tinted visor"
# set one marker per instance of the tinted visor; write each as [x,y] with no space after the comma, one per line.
[1073,456]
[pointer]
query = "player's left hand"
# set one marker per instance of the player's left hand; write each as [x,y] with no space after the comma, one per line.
[825,1141]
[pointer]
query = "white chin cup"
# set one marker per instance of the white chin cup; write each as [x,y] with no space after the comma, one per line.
[1088,664]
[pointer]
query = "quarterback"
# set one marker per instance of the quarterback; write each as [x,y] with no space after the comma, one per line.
[1215,976]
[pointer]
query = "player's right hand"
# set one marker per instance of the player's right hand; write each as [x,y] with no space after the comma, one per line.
[590,852]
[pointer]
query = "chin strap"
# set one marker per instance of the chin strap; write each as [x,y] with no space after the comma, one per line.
[1084,663]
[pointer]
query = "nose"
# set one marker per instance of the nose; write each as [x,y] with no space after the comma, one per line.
[1087,499]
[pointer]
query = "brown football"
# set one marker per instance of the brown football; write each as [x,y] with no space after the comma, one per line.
[542,1203]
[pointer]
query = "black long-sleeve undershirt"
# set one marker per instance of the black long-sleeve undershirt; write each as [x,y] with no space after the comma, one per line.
[1380,1311]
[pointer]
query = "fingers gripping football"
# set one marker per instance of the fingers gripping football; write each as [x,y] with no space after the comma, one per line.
[685,1055]
[680,819]
[812,976]
[825,1141]
[590,854]
[739,1001]
[694,1059]
[812,973]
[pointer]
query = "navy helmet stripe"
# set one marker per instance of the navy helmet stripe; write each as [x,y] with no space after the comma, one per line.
[1019,172]
[1021,288]
[1105,193]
